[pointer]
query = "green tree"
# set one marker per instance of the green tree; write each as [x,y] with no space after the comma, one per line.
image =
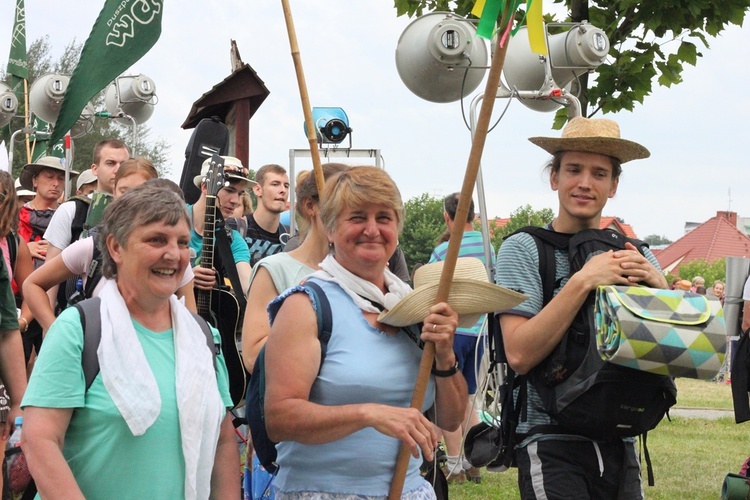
[520,217]
[649,42]
[423,225]
[40,63]
[710,271]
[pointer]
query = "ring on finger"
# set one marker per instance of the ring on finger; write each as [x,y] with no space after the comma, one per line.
[434,326]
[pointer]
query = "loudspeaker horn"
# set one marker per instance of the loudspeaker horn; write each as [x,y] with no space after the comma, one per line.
[572,53]
[8,104]
[132,95]
[440,58]
[46,96]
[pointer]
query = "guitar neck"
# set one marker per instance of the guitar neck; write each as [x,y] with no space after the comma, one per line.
[203,297]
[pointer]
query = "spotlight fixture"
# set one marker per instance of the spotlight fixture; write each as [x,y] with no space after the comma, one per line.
[331,125]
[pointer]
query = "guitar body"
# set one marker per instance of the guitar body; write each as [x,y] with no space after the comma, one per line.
[225,316]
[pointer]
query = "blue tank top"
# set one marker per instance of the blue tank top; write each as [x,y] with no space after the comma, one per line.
[362,365]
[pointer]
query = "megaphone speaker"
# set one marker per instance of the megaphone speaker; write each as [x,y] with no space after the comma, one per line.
[439,58]
[46,96]
[133,95]
[571,53]
[8,104]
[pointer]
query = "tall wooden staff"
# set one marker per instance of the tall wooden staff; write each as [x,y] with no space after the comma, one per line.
[309,125]
[454,245]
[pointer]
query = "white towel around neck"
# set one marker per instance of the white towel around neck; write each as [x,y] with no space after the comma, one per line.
[360,289]
[137,398]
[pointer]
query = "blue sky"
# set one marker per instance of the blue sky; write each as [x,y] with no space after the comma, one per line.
[696,131]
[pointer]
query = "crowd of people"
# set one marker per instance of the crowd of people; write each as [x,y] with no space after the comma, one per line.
[109,354]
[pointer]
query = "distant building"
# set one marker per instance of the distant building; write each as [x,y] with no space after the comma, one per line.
[718,237]
[618,225]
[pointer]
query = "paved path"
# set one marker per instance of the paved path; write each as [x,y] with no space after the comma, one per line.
[705,413]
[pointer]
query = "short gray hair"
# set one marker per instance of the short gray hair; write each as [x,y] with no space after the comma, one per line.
[140,206]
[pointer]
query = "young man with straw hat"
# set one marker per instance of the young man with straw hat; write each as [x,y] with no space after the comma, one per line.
[585,172]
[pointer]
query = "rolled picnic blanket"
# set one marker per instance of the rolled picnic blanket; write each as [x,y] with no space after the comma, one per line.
[667,332]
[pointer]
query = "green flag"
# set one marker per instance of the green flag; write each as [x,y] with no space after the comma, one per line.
[17,60]
[124,31]
[40,143]
[17,67]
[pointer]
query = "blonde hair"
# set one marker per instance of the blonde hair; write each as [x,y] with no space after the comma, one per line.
[307,188]
[247,203]
[356,187]
[137,165]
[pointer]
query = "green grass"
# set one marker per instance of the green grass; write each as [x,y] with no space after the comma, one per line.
[703,394]
[690,456]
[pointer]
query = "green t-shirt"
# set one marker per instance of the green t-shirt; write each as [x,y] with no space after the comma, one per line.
[106,459]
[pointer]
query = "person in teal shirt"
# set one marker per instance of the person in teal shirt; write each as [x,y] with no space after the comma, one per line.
[235,180]
[154,422]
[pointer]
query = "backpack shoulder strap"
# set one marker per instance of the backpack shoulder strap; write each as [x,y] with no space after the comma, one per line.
[12,239]
[324,315]
[91,323]
[79,219]
[206,329]
[94,275]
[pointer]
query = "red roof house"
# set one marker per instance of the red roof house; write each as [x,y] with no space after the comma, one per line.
[716,238]
[618,225]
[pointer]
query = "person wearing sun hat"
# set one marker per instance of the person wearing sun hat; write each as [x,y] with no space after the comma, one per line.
[236,180]
[23,195]
[45,176]
[585,172]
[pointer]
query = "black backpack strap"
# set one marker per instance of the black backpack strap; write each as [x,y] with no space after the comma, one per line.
[206,329]
[546,242]
[94,275]
[91,323]
[12,239]
[79,219]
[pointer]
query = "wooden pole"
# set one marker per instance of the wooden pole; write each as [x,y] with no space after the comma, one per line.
[26,120]
[312,137]
[454,245]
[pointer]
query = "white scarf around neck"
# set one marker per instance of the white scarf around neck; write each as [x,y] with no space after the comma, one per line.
[131,384]
[359,289]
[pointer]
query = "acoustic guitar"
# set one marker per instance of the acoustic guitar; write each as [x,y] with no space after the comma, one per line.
[220,306]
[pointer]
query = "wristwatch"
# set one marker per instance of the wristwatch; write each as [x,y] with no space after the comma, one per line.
[445,373]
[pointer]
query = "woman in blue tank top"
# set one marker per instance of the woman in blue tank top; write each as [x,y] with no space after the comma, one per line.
[340,424]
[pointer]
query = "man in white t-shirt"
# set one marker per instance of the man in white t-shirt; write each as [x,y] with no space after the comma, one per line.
[108,156]
[65,227]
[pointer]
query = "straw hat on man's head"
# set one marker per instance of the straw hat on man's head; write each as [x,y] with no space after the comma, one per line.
[471,295]
[593,135]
